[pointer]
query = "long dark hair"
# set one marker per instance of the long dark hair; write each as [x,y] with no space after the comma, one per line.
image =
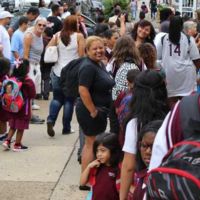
[21,71]
[149,101]
[4,66]
[175,28]
[142,24]
[70,26]
[125,51]
[110,141]
[152,126]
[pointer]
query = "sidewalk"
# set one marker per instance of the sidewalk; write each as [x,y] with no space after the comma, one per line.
[48,170]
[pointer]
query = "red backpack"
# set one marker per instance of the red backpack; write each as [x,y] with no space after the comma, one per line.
[11,95]
[178,177]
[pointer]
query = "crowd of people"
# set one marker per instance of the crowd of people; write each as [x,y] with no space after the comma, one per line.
[143,82]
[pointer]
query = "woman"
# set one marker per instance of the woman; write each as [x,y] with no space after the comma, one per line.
[149,103]
[95,85]
[143,31]
[33,48]
[125,57]
[70,45]
[178,54]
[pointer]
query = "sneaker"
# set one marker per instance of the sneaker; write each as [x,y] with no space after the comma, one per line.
[50,130]
[6,145]
[36,120]
[68,132]
[19,148]
[35,107]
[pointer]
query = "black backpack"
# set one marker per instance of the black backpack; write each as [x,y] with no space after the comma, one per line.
[178,177]
[69,78]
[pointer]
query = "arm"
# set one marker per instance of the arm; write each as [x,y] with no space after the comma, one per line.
[87,100]
[27,45]
[85,174]
[128,168]
[197,63]
[53,41]
[15,46]
[122,25]
[81,45]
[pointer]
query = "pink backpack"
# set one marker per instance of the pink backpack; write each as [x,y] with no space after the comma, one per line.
[11,95]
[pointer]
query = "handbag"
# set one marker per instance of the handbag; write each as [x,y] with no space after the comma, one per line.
[51,53]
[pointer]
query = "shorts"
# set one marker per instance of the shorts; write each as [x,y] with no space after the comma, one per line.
[91,126]
[35,75]
[19,124]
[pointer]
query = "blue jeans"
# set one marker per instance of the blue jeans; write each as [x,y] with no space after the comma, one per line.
[57,102]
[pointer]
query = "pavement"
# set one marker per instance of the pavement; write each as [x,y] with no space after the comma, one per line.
[48,170]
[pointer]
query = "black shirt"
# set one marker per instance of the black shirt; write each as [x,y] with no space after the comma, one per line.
[98,81]
[56,24]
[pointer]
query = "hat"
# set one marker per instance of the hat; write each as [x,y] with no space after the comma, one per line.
[5,14]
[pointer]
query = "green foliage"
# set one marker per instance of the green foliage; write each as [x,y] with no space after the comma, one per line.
[109,4]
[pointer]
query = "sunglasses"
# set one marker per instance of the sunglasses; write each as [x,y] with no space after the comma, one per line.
[42,25]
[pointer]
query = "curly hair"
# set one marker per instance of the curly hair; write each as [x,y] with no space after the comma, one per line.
[148,54]
[144,23]
[125,50]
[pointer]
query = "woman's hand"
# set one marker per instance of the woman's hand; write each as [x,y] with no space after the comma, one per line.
[94,114]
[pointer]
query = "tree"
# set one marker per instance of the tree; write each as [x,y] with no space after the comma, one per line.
[109,5]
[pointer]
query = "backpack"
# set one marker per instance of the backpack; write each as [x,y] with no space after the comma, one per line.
[69,78]
[11,98]
[178,176]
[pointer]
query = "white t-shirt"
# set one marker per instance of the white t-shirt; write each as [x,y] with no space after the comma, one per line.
[131,135]
[5,42]
[178,65]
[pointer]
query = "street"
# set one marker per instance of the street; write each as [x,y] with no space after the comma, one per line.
[48,170]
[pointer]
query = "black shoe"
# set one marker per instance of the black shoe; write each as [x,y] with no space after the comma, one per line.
[45,98]
[36,120]
[68,132]
[84,187]
[38,97]
[50,130]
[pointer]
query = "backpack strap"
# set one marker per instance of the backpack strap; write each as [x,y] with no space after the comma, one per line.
[162,39]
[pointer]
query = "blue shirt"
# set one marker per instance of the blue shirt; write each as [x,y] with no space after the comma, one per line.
[17,44]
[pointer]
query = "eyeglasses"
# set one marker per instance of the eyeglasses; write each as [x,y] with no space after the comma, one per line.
[42,25]
[144,147]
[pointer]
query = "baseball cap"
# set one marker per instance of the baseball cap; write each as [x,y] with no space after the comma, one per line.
[5,14]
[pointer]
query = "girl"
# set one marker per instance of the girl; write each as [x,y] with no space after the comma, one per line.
[20,121]
[148,103]
[103,172]
[4,70]
[143,156]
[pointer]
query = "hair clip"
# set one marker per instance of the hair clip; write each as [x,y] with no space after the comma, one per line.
[17,63]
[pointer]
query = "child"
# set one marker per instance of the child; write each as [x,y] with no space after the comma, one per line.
[143,156]
[4,70]
[20,121]
[144,8]
[122,103]
[103,172]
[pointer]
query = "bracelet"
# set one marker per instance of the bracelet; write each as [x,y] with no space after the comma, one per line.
[94,114]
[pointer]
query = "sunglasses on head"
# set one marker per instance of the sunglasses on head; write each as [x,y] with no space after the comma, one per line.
[43,25]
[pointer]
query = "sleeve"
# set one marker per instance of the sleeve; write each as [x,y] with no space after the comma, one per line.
[159,146]
[87,75]
[14,43]
[28,89]
[1,36]
[159,46]
[130,144]
[193,50]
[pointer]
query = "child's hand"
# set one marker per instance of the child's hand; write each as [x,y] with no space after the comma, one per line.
[95,163]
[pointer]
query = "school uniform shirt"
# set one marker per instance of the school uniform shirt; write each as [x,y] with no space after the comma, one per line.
[178,65]
[104,183]
[5,42]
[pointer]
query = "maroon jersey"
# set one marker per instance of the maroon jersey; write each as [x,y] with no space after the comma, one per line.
[104,183]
